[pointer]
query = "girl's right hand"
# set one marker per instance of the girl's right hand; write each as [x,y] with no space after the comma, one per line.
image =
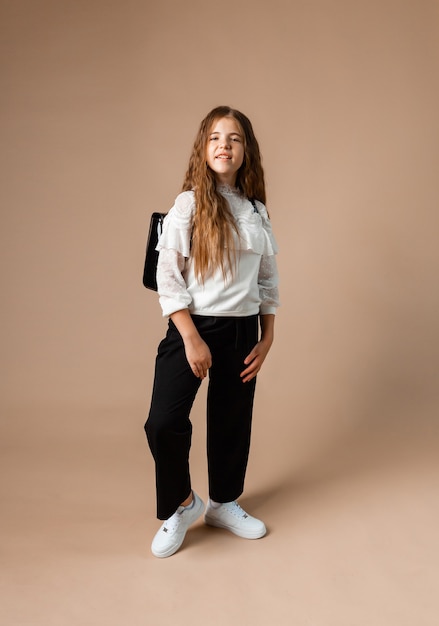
[198,356]
[197,350]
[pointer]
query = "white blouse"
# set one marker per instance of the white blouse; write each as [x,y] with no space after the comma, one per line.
[253,286]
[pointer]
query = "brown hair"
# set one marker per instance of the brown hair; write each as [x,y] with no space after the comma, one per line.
[213,224]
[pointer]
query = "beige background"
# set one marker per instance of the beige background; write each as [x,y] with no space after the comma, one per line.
[100,104]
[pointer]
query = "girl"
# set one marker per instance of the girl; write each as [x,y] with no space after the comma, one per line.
[216,279]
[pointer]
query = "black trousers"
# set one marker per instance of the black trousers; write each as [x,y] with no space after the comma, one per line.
[229,411]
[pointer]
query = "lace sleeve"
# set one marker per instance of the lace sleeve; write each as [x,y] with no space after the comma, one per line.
[171,285]
[177,226]
[268,281]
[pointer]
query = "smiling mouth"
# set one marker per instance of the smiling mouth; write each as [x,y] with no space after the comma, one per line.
[223,157]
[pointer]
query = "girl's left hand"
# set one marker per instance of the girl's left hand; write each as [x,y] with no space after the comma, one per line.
[255,360]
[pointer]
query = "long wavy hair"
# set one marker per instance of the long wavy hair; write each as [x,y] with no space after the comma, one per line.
[213,226]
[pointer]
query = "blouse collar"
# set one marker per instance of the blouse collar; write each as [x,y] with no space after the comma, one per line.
[228,189]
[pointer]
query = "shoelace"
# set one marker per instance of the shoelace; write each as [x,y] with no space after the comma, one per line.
[236,510]
[172,523]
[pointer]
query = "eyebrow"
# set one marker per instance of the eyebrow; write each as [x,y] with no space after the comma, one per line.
[217,132]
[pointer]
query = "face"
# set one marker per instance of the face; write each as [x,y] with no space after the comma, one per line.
[225,150]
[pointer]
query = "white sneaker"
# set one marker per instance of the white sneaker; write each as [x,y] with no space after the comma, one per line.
[172,532]
[232,517]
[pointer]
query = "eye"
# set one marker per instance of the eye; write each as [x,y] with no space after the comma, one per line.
[237,139]
[213,139]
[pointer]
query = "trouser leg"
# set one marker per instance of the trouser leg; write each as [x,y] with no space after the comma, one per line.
[168,428]
[229,412]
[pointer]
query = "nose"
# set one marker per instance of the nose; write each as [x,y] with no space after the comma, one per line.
[225,142]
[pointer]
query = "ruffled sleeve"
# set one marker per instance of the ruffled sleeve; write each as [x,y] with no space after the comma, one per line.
[268,278]
[177,225]
[268,283]
[174,249]
[270,244]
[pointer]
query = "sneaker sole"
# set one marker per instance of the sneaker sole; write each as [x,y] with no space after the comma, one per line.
[257,534]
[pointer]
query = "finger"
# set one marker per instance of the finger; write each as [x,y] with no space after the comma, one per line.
[197,370]
[248,369]
[248,359]
[200,372]
[250,372]
[249,377]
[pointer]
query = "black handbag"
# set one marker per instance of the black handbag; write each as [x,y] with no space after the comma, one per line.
[152,255]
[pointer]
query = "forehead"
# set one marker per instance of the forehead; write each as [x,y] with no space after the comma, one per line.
[226,125]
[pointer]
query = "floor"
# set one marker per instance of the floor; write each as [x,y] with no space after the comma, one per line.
[352,538]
